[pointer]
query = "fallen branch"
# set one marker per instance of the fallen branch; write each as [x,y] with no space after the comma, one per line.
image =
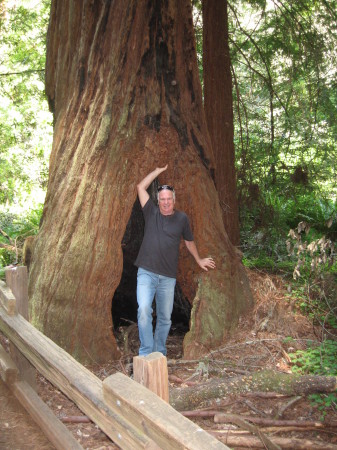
[267,443]
[175,379]
[200,413]
[265,395]
[203,394]
[287,405]
[225,418]
[284,443]
[75,419]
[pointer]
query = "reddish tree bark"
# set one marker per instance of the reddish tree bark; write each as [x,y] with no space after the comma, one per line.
[122,81]
[219,109]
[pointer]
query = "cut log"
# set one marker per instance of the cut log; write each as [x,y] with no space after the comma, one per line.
[204,394]
[151,372]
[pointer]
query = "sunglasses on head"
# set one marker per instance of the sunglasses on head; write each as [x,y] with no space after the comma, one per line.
[165,187]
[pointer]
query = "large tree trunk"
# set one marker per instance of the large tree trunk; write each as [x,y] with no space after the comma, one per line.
[219,109]
[122,81]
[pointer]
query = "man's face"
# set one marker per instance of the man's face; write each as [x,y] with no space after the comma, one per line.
[166,202]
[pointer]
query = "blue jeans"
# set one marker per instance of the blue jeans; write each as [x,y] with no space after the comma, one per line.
[150,285]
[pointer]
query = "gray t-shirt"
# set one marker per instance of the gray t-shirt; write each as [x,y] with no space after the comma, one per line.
[159,251]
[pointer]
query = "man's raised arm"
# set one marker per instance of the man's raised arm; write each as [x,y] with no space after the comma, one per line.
[145,183]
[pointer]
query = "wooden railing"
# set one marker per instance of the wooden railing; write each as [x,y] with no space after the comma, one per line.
[132,415]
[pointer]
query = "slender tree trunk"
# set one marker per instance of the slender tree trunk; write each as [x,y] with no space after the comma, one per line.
[122,81]
[219,109]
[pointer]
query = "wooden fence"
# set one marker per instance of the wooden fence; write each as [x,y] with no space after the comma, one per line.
[132,415]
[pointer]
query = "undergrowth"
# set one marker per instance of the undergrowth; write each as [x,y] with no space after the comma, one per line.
[305,256]
[14,229]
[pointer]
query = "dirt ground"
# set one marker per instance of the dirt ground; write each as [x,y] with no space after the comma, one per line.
[261,342]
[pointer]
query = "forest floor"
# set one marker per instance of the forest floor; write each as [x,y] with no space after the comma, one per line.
[261,342]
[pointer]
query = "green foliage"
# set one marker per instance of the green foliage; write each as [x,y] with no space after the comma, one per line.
[323,402]
[14,229]
[316,360]
[319,252]
[265,224]
[25,123]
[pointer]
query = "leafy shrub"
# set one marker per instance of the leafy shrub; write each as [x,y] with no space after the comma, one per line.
[14,229]
[316,360]
[265,223]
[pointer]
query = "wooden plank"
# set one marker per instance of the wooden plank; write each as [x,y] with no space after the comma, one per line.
[17,281]
[8,370]
[151,372]
[74,380]
[168,428]
[53,428]
[7,299]
[57,433]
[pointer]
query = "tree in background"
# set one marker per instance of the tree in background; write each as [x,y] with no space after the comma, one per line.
[284,59]
[218,103]
[122,81]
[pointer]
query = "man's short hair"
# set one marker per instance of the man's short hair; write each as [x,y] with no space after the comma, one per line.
[166,187]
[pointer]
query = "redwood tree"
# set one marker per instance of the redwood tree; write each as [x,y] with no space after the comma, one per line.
[122,81]
[219,109]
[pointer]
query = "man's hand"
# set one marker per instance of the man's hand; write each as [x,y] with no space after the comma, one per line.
[207,263]
[204,263]
[161,169]
[145,183]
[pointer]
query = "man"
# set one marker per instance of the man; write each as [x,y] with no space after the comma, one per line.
[157,262]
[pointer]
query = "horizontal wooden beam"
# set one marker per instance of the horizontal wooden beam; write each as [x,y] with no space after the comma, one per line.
[130,425]
[74,380]
[157,418]
[57,433]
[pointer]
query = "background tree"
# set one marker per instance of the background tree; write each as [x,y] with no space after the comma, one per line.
[25,125]
[122,82]
[284,60]
[218,103]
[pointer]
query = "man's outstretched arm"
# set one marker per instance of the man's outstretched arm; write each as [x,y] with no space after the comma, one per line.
[204,263]
[145,183]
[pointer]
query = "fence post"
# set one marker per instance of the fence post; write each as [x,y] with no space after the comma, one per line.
[17,281]
[151,372]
